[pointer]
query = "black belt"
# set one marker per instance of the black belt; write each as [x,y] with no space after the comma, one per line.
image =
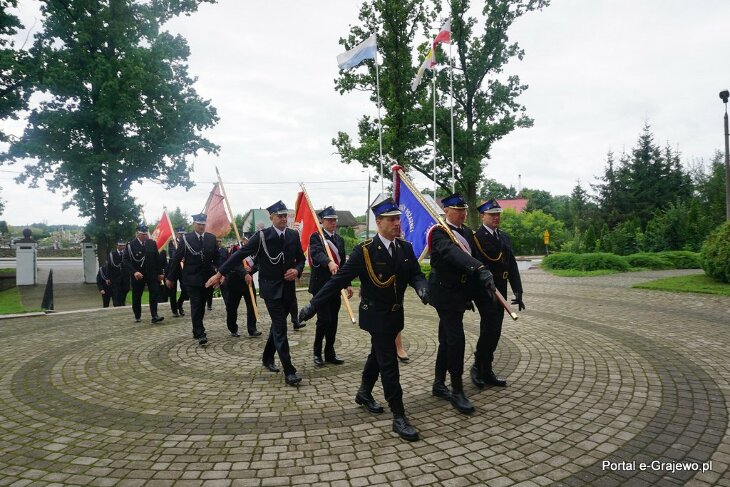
[379,305]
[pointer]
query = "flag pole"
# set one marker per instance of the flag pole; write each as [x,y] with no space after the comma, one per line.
[238,238]
[447,229]
[451,84]
[380,122]
[327,249]
[434,130]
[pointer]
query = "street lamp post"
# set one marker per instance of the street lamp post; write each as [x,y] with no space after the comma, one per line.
[724,95]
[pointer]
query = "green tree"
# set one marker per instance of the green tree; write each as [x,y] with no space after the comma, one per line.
[13,70]
[485,104]
[526,230]
[491,188]
[179,218]
[396,23]
[709,190]
[589,239]
[121,109]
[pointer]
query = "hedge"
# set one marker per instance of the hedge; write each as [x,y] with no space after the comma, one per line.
[715,254]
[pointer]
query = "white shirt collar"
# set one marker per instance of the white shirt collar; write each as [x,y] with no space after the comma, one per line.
[453,225]
[140,242]
[330,235]
[279,232]
[199,235]
[386,241]
[490,230]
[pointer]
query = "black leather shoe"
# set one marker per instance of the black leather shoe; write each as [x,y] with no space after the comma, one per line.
[157,319]
[137,320]
[440,390]
[491,379]
[366,399]
[476,378]
[318,361]
[210,308]
[299,326]
[202,340]
[181,312]
[255,334]
[271,367]
[235,334]
[175,315]
[334,360]
[461,403]
[292,379]
[404,358]
[404,428]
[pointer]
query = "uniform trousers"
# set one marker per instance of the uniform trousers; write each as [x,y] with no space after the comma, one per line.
[383,361]
[278,341]
[175,301]
[250,313]
[106,297]
[450,355]
[490,327]
[153,286]
[197,295]
[119,292]
[327,327]
[232,292]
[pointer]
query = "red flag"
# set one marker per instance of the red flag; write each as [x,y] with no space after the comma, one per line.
[218,223]
[163,231]
[304,219]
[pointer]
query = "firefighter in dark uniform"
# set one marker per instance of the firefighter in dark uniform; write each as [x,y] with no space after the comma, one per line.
[232,290]
[104,285]
[198,254]
[386,265]
[455,278]
[175,302]
[281,260]
[118,274]
[493,249]
[323,268]
[142,260]
[249,292]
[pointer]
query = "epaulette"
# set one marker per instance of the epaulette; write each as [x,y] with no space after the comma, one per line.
[366,242]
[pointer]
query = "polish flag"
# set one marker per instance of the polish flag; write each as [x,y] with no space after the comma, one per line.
[444,34]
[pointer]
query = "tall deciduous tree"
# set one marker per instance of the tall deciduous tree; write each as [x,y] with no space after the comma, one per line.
[13,75]
[396,23]
[486,107]
[122,107]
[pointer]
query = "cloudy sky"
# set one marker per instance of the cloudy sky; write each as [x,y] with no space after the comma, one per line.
[597,71]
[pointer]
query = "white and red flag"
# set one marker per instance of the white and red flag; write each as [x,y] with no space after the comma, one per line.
[444,34]
[163,232]
[218,222]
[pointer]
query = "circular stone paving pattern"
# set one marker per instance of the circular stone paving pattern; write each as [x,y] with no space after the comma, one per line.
[93,399]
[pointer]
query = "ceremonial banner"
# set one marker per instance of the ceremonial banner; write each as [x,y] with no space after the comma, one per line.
[305,221]
[215,208]
[367,49]
[163,231]
[415,220]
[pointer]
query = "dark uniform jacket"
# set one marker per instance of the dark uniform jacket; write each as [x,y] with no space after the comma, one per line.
[496,254]
[143,257]
[271,267]
[318,255]
[101,278]
[116,272]
[199,259]
[452,282]
[383,283]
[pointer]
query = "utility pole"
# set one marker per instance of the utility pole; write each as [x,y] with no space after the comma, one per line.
[724,95]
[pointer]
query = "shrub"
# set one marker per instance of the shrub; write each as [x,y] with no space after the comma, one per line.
[648,261]
[563,260]
[593,262]
[682,259]
[715,254]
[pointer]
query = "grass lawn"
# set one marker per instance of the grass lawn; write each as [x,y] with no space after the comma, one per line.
[577,273]
[7,271]
[688,284]
[10,302]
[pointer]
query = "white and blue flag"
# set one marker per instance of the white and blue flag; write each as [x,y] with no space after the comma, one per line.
[367,49]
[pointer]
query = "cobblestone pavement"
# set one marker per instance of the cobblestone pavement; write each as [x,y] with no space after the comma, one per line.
[597,372]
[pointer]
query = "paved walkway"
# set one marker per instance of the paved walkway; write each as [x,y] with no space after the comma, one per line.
[598,373]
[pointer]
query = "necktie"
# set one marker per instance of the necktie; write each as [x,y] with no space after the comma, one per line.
[201,239]
[391,249]
[281,239]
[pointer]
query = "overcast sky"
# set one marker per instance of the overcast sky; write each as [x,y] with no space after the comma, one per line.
[597,71]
